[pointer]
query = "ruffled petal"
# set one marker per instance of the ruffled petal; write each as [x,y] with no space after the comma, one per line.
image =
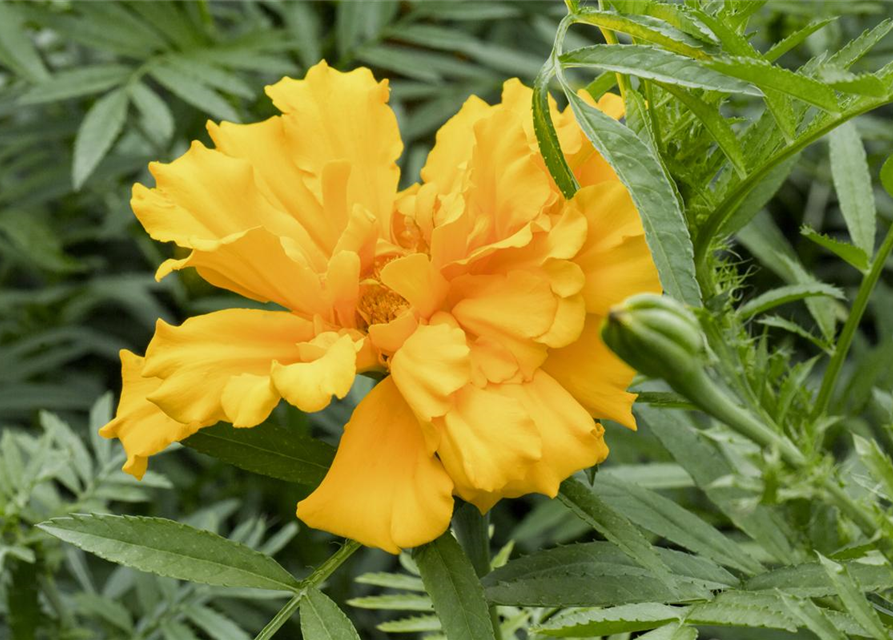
[615,258]
[204,197]
[416,280]
[199,359]
[449,159]
[384,488]
[487,440]
[330,115]
[141,426]
[593,375]
[432,364]
[328,368]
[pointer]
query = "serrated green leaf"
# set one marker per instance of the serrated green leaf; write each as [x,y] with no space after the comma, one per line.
[812,581]
[788,293]
[170,549]
[759,197]
[268,449]
[455,589]
[211,75]
[394,602]
[852,255]
[104,608]
[865,84]
[321,618]
[773,78]
[665,229]
[849,168]
[77,82]
[878,463]
[656,64]
[194,92]
[856,49]
[714,123]
[671,632]
[792,327]
[664,517]
[850,592]
[796,39]
[886,176]
[644,28]
[597,574]
[602,622]
[742,609]
[812,617]
[98,131]
[614,526]
[392,581]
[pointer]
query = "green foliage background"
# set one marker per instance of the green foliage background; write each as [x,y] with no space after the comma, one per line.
[90,92]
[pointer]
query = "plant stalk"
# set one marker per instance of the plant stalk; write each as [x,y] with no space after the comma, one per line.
[472,529]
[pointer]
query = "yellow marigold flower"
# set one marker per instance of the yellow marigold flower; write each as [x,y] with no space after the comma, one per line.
[479,293]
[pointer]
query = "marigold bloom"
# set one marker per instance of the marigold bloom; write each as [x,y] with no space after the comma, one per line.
[479,293]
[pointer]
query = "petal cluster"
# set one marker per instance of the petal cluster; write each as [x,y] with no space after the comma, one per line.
[477,295]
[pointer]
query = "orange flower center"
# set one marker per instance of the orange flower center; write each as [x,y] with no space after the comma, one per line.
[378,305]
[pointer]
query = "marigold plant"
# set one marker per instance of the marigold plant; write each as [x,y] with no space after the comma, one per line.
[476,296]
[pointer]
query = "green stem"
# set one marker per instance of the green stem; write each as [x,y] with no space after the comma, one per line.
[852,323]
[326,569]
[473,532]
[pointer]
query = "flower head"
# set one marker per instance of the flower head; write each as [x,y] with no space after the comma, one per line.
[478,294]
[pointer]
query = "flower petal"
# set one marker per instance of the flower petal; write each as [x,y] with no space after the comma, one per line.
[488,440]
[431,365]
[310,385]
[615,258]
[198,359]
[416,279]
[141,426]
[384,488]
[451,155]
[330,115]
[593,375]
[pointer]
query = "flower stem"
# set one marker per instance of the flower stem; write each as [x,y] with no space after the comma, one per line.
[852,323]
[324,570]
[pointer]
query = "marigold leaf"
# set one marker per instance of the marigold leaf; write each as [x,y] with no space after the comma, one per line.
[17,51]
[194,92]
[796,39]
[99,129]
[602,622]
[644,28]
[454,589]
[810,580]
[268,449]
[412,624]
[77,82]
[812,617]
[171,549]
[652,63]
[215,624]
[665,229]
[852,181]
[394,602]
[788,293]
[851,594]
[547,137]
[321,618]
[156,114]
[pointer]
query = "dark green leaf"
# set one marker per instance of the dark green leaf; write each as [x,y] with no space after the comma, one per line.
[77,82]
[770,77]
[547,137]
[788,293]
[194,92]
[454,589]
[850,592]
[171,549]
[97,133]
[321,619]
[843,250]
[268,449]
[602,622]
[17,51]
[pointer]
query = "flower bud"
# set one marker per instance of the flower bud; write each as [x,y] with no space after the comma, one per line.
[656,336]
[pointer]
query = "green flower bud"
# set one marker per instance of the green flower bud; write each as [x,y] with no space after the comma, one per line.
[657,336]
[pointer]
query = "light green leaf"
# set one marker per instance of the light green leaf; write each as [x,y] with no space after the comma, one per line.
[412,624]
[850,592]
[547,137]
[773,78]
[714,123]
[170,549]
[886,176]
[792,327]
[322,619]
[856,49]
[644,28]
[99,129]
[17,50]
[665,229]
[454,589]
[879,464]
[796,39]
[742,609]
[268,449]
[155,112]
[849,168]
[656,64]
[865,84]
[77,82]
[394,602]
[812,617]
[667,519]
[215,624]
[614,526]
[602,622]
[788,293]
[672,631]
[392,581]
[194,92]
[852,255]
